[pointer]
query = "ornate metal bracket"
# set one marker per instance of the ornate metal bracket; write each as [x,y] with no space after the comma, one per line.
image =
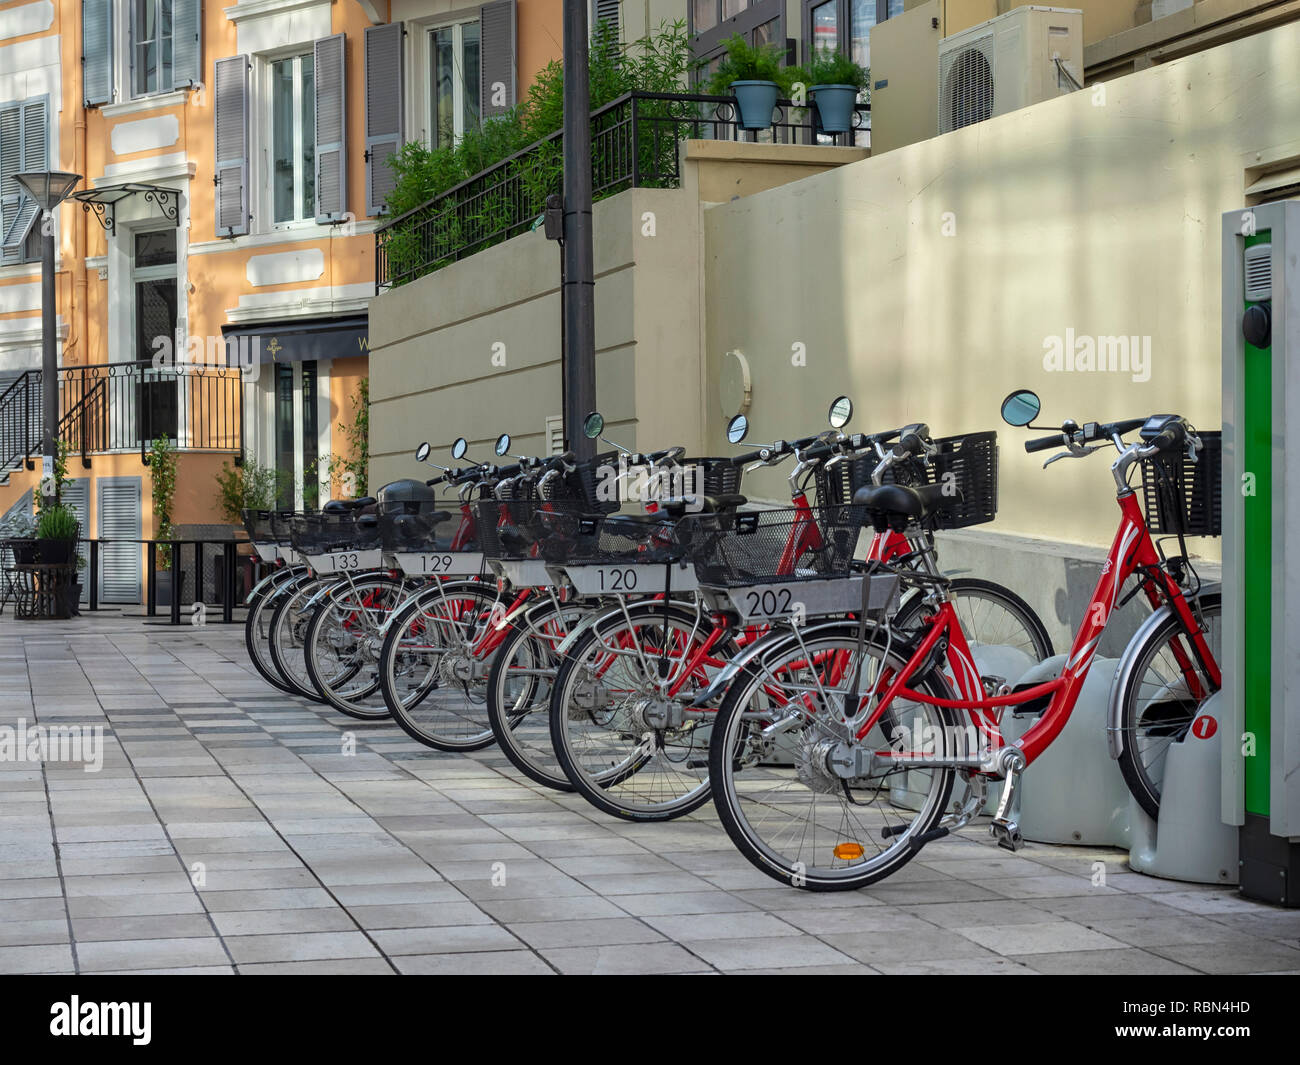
[103,201]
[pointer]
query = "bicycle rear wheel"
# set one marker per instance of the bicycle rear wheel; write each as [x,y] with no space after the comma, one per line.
[990,614]
[288,627]
[257,633]
[796,817]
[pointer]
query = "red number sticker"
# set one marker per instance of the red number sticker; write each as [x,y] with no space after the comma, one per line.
[1204,727]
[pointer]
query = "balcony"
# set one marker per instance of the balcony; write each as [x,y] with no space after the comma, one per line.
[634,144]
[123,407]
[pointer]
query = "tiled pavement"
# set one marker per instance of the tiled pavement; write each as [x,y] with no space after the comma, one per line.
[232,829]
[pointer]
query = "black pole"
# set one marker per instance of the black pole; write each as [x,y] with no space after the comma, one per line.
[578,283]
[49,358]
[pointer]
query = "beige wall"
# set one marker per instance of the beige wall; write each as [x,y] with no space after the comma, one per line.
[1099,215]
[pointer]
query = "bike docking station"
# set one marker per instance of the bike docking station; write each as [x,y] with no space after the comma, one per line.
[1259,718]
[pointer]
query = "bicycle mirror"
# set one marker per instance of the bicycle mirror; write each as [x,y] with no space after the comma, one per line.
[1021,407]
[593,425]
[422,452]
[737,429]
[459,447]
[503,444]
[840,413]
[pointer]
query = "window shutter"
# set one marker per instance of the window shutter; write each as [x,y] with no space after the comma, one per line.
[119,519]
[497,60]
[384,133]
[187,43]
[230,87]
[331,129]
[605,11]
[76,496]
[97,51]
[555,434]
[23,141]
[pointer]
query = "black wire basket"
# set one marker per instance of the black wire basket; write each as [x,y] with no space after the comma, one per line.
[1182,496]
[755,547]
[967,467]
[281,524]
[421,526]
[321,532]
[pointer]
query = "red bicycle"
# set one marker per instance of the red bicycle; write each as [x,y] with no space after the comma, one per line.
[878,721]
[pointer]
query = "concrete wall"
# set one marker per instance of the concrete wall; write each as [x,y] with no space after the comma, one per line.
[926,282]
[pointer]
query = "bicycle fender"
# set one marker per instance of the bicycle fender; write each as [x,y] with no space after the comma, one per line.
[718,686]
[634,610]
[1115,709]
[275,576]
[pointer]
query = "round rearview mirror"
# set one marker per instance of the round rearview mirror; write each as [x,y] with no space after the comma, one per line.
[503,444]
[422,452]
[737,429]
[593,425]
[840,413]
[459,447]
[1021,407]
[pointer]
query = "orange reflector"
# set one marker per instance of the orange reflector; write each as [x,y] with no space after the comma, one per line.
[847,851]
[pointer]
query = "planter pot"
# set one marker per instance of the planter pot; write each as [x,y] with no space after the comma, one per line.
[72,599]
[162,582]
[755,102]
[834,106]
[57,552]
[26,552]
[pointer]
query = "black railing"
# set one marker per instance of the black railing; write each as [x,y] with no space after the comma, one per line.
[125,406]
[634,144]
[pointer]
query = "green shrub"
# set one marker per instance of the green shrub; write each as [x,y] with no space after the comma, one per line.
[57,523]
[830,66]
[247,487]
[746,62]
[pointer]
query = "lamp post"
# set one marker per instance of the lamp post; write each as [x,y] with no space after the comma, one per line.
[48,188]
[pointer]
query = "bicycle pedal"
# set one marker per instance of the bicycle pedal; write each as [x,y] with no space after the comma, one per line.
[1007,833]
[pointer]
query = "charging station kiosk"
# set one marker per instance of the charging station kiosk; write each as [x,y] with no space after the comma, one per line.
[1261,546]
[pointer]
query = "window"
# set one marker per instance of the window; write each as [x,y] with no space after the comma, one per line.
[295,432]
[23,146]
[760,22]
[846,25]
[153,278]
[293,139]
[454,83]
[151,46]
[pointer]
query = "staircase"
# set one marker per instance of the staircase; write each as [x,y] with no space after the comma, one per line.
[84,426]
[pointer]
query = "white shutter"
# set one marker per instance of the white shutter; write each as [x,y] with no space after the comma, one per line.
[555,434]
[23,146]
[606,11]
[97,51]
[230,91]
[119,518]
[331,129]
[187,43]
[384,131]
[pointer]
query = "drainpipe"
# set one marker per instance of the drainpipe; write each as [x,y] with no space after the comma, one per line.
[578,284]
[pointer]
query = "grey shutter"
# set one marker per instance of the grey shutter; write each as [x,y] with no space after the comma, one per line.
[605,11]
[187,43]
[119,519]
[76,496]
[230,88]
[331,129]
[23,146]
[497,56]
[384,132]
[97,51]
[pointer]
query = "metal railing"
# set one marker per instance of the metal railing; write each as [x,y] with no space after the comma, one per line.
[634,144]
[125,406]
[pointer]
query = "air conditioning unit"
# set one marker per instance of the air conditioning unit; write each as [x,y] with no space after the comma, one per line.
[1028,55]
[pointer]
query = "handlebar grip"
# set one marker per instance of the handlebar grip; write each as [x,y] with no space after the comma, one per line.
[1168,440]
[753,456]
[909,443]
[436,480]
[818,451]
[1045,443]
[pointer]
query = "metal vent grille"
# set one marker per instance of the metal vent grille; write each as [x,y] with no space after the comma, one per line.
[966,85]
[1259,272]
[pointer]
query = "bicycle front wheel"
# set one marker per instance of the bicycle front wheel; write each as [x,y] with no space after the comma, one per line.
[990,614]
[1161,697]
[778,756]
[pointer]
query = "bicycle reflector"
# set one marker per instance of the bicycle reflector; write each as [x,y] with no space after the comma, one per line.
[846,852]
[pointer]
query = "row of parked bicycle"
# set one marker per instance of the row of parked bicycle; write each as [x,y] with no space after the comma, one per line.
[630,628]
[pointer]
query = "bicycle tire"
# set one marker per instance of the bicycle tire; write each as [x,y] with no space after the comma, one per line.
[1039,644]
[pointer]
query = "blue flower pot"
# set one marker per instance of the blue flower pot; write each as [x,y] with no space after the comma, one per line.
[835,106]
[755,102]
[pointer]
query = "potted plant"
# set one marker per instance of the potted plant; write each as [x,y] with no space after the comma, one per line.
[834,82]
[19,533]
[56,534]
[162,468]
[754,76]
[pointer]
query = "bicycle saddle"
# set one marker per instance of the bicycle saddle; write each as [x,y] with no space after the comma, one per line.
[900,500]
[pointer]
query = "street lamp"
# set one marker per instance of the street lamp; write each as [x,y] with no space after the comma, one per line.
[48,188]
